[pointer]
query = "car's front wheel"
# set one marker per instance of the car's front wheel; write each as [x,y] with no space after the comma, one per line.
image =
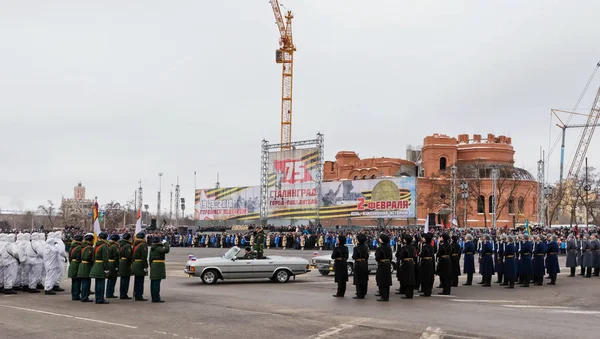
[210,277]
[282,276]
[324,272]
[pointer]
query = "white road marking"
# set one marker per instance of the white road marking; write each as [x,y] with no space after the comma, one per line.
[66,316]
[332,331]
[432,333]
[535,306]
[485,301]
[577,312]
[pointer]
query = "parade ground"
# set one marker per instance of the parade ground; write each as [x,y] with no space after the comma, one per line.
[305,308]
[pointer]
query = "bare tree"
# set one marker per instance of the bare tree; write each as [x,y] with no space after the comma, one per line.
[113,214]
[48,210]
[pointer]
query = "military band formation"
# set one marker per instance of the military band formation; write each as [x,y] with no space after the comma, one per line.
[520,259]
[35,262]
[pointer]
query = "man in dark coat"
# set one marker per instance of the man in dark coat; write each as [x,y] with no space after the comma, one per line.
[595,246]
[340,266]
[572,251]
[444,265]
[525,265]
[469,259]
[407,267]
[455,259]
[361,269]
[418,245]
[538,252]
[580,242]
[487,261]
[510,272]
[125,261]
[552,260]
[499,258]
[383,256]
[426,266]
[588,257]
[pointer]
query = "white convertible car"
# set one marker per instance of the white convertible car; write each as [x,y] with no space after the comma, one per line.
[232,265]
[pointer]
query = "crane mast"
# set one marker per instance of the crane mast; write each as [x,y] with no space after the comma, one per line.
[586,138]
[285,56]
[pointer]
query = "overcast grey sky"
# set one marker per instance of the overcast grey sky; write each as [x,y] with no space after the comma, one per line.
[110,92]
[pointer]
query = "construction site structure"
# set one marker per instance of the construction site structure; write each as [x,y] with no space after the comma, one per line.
[285,56]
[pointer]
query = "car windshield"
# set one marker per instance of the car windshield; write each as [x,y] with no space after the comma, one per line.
[231,253]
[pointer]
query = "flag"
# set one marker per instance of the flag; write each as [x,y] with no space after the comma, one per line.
[427,224]
[96,215]
[527,230]
[138,222]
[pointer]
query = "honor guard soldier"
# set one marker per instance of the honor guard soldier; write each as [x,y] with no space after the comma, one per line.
[407,267]
[383,256]
[113,266]
[487,261]
[74,261]
[444,268]
[510,272]
[595,246]
[499,258]
[588,257]
[361,269]
[100,267]
[455,259]
[572,251]
[580,253]
[259,242]
[525,264]
[427,265]
[83,271]
[552,260]
[125,261]
[539,252]
[340,266]
[139,266]
[469,259]
[158,270]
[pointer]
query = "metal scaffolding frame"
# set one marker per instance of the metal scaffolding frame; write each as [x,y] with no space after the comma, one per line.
[319,142]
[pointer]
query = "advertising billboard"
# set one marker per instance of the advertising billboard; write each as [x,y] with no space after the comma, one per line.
[375,198]
[292,187]
[228,203]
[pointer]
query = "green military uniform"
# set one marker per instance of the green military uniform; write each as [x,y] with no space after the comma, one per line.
[139,266]
[158,270]
[259,243]
[74,260]
[113,266]
[100,269]
[125,261]
[85,266]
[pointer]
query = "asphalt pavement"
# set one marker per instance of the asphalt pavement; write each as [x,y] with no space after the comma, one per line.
[305,308]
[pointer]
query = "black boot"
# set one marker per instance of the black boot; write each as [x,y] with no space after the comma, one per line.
[9,291]
[572,272]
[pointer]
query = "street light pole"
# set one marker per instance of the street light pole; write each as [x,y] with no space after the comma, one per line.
[464,186]
[494,197]
[158,197]
[453,190]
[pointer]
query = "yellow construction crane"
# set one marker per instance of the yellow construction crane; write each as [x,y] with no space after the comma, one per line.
[285,56]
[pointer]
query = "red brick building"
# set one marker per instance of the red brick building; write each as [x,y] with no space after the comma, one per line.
[472,160]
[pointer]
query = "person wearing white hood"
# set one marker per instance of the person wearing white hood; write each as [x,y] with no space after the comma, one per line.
[51,263]
[2,249]
[23,241]
[11,262]
[34,264]
[60,265]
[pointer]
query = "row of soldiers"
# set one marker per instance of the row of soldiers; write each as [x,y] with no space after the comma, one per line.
[515,260]
[585,253]
[105,261]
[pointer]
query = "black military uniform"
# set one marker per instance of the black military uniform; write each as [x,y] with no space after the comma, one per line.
[361,268]
[383,256]
[340,266]
[427,266]
[455,259]
[407,268]
[444,269]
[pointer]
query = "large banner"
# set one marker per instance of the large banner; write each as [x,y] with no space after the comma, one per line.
[228,203]
[375,198]
[292,191]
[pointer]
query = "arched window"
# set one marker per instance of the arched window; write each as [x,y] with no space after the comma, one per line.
[511,205]
[364,177]
[491,204]
[373,176]
[356,177]
[521,205]
[481,204]
[442,163]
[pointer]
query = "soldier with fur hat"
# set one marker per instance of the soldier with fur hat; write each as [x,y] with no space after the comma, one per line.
[383,256]
[100,267]
[139,266]
[113,266]
[427,265]
[444,269]
[407,267]
[125,263]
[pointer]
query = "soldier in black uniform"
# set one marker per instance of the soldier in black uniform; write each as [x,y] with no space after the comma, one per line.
[444,269]
[340,266]
[383,256]
[361,269]
[406,266]
[455,259]
[427,265]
